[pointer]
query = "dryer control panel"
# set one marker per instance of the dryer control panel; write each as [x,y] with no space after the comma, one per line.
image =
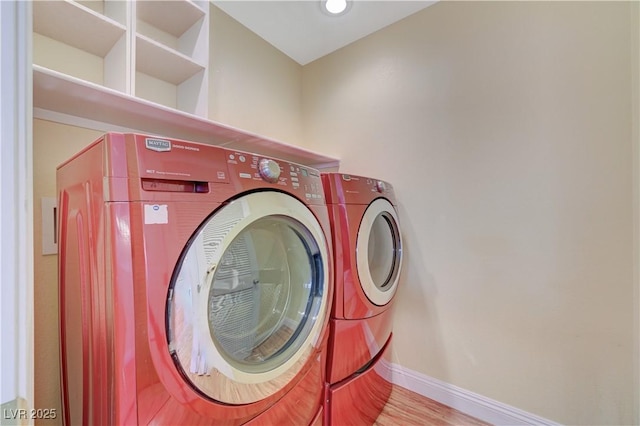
[342,188]
[251,171]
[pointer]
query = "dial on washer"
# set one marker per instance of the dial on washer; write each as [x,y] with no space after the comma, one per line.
[269,170]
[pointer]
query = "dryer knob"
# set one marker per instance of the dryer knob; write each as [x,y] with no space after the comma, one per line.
[380,186]
[269,170]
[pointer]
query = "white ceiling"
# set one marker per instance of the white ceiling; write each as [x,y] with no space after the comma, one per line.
[301,30]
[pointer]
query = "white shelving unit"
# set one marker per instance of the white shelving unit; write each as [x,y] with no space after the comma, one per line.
[137,66]
[152,50]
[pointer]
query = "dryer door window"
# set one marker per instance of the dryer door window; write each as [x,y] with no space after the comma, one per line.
[249,298]
[379,252]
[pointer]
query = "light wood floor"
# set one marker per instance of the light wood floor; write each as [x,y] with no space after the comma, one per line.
[407,408]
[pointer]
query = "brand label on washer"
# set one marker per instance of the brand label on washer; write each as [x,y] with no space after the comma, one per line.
[159,145]
[156,213]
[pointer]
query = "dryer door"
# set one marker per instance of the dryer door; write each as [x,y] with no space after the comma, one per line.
[248,299]
[379,251]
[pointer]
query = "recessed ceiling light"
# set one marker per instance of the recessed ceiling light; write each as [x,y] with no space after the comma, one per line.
[334,7]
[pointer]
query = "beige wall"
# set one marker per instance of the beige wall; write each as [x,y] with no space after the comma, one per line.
[252,85]
[506,128]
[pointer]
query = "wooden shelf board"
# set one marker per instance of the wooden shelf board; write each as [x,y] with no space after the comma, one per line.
[76,25]
[157,60]
[173,17]
[68,95]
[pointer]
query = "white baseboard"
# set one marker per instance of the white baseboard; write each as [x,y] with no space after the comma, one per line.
[470,403]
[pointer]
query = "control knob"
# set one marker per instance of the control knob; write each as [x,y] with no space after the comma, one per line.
[269,170]
[380,186]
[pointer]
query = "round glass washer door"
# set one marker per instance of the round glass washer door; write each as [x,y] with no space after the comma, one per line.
[248,300]
[379,252]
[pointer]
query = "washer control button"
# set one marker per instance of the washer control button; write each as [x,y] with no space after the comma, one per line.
[380,186]
[269,170]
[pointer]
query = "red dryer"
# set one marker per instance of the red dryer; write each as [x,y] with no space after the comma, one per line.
[367,248]
[195,286]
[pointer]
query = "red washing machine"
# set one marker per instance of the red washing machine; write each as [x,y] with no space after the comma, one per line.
[368,255]
[195,286]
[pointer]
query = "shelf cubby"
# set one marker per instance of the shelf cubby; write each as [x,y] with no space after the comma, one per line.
[172,54]
[159,61]
[84,42]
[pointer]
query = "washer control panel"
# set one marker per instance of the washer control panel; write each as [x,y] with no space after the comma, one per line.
[252,171]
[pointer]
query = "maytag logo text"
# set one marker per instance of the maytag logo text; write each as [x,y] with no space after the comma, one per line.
[159,145]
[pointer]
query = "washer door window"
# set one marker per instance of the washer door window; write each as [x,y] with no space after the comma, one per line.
[379,252]
[248,299]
